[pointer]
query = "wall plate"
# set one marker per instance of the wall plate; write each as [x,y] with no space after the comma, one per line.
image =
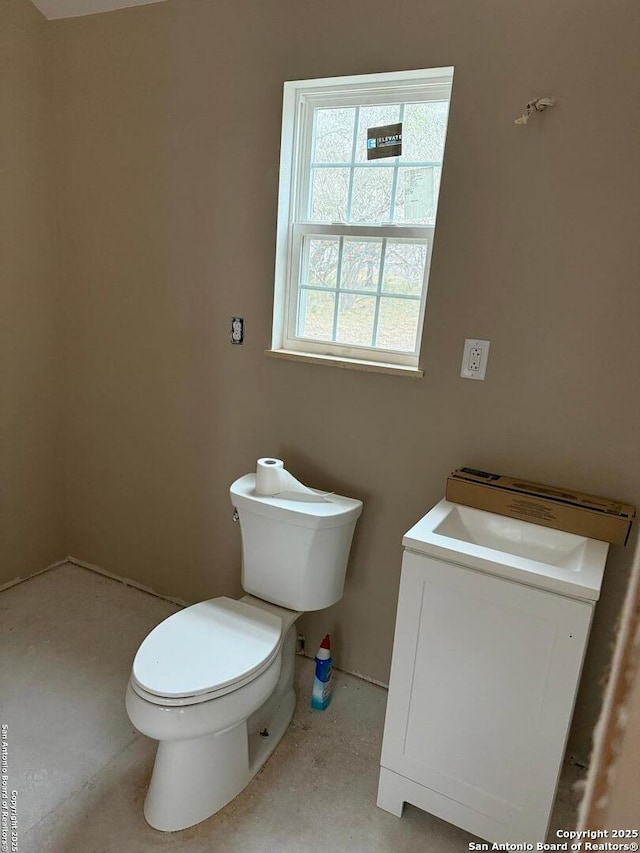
[474,359]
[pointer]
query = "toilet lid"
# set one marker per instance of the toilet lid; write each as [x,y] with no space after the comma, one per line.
[206,647]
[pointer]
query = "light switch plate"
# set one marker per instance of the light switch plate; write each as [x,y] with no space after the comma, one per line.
[474,359]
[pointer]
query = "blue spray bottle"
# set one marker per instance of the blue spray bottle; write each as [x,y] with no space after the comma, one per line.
[322,683]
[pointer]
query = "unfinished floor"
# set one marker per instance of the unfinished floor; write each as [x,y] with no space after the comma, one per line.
[68,637]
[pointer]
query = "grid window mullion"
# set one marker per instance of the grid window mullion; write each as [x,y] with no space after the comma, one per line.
[302,296]
[336,305]
[383,253]
[394,185]
[356,122]
[347,292]
[379,164]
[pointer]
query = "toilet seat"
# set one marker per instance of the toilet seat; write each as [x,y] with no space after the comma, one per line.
[205,651]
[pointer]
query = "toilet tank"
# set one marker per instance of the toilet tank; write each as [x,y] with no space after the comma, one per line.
[294,552]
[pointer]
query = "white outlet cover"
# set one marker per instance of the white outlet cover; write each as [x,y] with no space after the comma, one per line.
[470,355]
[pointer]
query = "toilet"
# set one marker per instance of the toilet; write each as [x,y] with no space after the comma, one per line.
[213,683]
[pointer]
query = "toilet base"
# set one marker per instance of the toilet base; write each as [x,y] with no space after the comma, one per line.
[187,784]
[263,738]
[194,778]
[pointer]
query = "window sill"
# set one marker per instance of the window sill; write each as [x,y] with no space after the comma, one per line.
[348,363]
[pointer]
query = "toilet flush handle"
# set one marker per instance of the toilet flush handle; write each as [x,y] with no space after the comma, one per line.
[236,517]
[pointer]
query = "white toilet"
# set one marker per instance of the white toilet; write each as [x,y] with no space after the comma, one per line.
[214,682]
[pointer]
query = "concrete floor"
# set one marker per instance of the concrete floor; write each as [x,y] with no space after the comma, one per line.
[80,769]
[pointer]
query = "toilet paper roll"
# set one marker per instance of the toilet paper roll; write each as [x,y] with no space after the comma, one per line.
[268,476]
[272,479]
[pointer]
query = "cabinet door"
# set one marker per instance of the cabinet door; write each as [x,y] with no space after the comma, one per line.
[483,681]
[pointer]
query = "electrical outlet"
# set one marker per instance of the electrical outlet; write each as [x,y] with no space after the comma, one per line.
[474,359]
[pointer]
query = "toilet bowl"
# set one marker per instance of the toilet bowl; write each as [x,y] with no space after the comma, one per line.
[220,712]
[214,682]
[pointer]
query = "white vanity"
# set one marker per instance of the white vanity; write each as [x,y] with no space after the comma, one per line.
[492,625]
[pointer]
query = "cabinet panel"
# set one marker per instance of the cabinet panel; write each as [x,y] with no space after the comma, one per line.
[483,680]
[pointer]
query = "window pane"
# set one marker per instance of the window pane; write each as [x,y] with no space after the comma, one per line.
[360,264]
[374,117]
[398,324]
[329,190]
[404,264]
[351,277]
[423,131]
[333,135]
[315,315]
[371,199]
[322,262]
[416,197]
[355,319]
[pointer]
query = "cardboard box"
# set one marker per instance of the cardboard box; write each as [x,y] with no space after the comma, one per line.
[563,509]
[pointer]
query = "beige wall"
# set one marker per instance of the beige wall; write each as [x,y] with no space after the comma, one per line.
[31,532]
[168,122]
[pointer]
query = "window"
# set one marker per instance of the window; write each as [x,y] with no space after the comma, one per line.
[355,234]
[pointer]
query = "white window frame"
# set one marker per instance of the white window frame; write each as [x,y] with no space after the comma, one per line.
[301,98]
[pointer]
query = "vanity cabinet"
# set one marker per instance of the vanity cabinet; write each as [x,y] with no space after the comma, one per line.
[484,676]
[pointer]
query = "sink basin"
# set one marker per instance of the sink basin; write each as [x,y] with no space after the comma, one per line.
[522,539]
[524,552]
